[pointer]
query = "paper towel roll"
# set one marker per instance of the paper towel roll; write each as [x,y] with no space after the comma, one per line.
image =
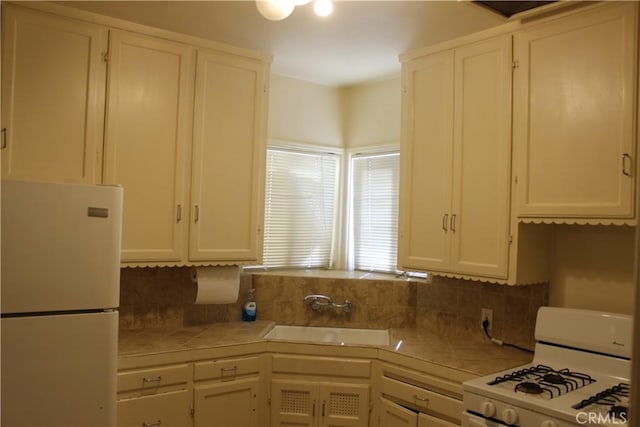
[217,285]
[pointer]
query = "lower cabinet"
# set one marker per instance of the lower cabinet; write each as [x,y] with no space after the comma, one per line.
[319,404]
[405,397]
[227,392]
[153,397]
[395,415]
[262,389]
[166,409]
[230,404]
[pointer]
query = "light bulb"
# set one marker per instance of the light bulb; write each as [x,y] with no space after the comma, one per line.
[275,10]
[323,7]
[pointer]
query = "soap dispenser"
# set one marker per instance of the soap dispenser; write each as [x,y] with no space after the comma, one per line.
[250,308]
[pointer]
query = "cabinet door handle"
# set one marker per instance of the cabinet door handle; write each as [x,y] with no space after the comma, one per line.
[3,144]
[313,409]
[179,214]
[323,403]
[420,399]
[152,380]
[453,223]
[445,220]
[153,424]
[626,160]
[196,216]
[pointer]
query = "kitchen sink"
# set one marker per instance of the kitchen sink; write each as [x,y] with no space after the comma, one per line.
[329,335]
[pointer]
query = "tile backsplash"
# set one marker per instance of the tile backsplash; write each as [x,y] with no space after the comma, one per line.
[164,297]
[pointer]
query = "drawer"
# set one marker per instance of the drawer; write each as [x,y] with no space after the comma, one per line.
[162,410]
[421,399]
[438,384]
[149,381]
[226,368]
[321,366]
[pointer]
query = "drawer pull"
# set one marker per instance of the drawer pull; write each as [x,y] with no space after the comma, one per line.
[156,424]
[420,399]
[233,370]
[152,380]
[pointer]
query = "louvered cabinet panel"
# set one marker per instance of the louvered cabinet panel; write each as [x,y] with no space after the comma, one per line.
[344,405]
[319,404]
[293,403]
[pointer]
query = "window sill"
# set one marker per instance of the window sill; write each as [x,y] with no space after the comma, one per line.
[339,274]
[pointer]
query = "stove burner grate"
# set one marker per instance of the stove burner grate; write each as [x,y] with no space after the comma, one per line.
[612,396]
[543,379]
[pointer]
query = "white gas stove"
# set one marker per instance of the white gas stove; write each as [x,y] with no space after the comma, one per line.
[579,376]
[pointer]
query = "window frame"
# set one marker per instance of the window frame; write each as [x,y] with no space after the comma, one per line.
[349,240]
[304,148]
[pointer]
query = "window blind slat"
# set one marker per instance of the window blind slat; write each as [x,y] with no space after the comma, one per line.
[299,208]
[375,180]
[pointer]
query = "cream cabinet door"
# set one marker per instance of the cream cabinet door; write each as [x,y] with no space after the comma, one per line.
[53,88]
[394,415]
[425,420]
[574,117]
[456,161]
[321,404]
[294,403]
[480,211]
[148,136]
[227,404]
[229,151]
[171,409]
[344,405]
[426,155]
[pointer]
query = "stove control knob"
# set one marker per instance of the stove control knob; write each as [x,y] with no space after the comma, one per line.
[509,416]
[549,423]
[488,409]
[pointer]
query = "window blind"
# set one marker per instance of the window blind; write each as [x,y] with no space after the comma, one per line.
[375,181]
[300,208]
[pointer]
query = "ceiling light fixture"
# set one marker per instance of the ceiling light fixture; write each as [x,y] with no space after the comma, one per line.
[277,10]
[323,7]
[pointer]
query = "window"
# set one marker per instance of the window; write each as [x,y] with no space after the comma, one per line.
[374,211]
[300,208]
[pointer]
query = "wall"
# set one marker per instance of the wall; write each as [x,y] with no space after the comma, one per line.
[304,112]
[592,268]
[163,298]
[371,113]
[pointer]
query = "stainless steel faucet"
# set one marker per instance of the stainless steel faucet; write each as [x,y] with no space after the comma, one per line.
[318,302]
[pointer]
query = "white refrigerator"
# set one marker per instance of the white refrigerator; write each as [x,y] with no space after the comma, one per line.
[60,275]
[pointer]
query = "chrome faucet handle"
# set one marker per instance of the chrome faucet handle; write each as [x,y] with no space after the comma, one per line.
[315,301]
[315,297]
[346,307]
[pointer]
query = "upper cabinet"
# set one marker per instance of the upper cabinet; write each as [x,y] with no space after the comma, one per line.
[191,159]
[456,160]
[575,115]
[229,150]
[53,85]
[178,122]
[148,141]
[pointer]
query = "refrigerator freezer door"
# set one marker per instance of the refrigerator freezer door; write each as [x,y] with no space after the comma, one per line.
[59,370]
[60,246]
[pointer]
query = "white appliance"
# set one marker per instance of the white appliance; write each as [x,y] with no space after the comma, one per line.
[579,375]
[60,257]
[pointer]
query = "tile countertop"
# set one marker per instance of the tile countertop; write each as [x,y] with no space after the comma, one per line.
[479,358]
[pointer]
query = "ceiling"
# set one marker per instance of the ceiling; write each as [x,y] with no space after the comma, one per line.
[359,42]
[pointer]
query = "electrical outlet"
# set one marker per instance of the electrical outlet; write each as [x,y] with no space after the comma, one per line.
[486,314]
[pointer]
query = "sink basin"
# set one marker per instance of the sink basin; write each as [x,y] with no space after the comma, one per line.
[329,335]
